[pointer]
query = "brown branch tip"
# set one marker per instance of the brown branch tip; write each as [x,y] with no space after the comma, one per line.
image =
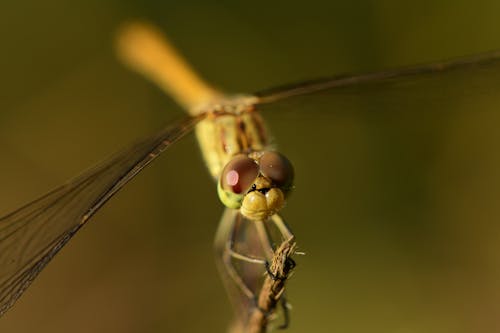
[273,287]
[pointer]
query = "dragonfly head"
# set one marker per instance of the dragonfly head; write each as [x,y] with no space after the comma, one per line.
[257,184]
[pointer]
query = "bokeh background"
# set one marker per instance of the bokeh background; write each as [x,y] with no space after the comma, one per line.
[397,196]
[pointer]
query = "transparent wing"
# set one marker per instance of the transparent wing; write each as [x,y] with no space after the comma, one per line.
[242,291]
[242,248]
[458,66]
[33,234]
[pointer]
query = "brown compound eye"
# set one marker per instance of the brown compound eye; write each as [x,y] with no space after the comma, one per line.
[277,168]
[239,174]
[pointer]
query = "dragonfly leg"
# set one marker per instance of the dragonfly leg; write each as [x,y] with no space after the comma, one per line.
[286,313]
[245,258]
[288,237]
[227,257]
[230,254]
[225,249]
[265,240]
[284,229]
[254,298]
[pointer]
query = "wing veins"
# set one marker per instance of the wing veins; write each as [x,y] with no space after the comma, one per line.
[64,210]
[342,81]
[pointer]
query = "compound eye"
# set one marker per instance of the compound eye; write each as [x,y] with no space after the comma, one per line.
[239,174]
[277,168]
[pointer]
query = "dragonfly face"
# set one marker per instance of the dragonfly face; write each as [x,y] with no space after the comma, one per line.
[257,183]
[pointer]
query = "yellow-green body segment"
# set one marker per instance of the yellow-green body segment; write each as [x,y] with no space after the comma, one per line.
[223,136]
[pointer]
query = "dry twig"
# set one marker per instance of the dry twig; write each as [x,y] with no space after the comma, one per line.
[273,288]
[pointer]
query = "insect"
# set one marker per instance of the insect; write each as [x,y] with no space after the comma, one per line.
[252,182]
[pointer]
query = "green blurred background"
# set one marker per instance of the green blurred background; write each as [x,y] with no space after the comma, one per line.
[398,185]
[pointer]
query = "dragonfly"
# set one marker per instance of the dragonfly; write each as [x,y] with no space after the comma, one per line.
[253,179]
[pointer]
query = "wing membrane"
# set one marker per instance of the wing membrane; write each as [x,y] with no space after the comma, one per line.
[242,246]
[343,81]
[32,235]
